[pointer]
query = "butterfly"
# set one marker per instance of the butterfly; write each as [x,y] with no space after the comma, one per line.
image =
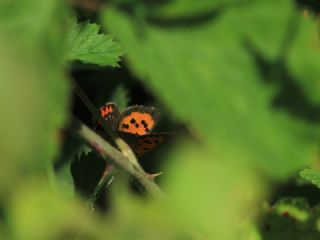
[134,125]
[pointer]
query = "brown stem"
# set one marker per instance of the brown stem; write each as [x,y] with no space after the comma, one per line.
[105,150]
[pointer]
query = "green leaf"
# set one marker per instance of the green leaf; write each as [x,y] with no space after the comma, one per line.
[86,44]
[304,61]
[87,170]
[202,191]
[33,88]
[312,175]
[290,218]
[59,217]
[187,8]
[224,86]
[120,97]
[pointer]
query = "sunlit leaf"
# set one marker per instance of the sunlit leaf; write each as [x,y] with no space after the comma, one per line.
[312,175]
[87,44]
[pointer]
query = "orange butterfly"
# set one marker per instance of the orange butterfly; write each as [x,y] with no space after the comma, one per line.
[134,125]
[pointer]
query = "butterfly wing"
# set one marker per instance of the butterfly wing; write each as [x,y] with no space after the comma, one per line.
[139,144]
[110,112]
[134,125]
[138,120]
[149,142]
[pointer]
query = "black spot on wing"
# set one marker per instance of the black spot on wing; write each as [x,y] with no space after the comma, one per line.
[133,121]
[125,126]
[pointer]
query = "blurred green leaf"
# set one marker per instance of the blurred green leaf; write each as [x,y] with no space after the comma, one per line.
[33,89]
[139,219]
[35,212]
[120,97]
[213,81]
[312,175]
[188,8]
[214,197]
[304,60]
[85,43]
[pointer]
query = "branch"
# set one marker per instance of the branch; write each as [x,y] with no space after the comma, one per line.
[105,150]
[125,159]
[122,145]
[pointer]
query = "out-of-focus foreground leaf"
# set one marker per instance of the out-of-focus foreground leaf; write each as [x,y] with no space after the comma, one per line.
[33,89]
[36,212]
[85,43]
[212,196]
[227,78]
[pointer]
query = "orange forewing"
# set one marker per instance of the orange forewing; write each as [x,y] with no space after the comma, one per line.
[134,125]
[138,120]
[110,113]
[107,109]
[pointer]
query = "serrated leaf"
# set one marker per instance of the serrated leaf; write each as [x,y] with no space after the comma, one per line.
[87,170]
[312,175]
[86,44]
[231,98]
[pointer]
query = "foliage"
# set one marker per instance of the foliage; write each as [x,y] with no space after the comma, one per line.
[86,44]
[290,219]
[311,175]
[238,83]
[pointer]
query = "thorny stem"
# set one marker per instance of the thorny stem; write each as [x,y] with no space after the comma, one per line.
[126,158]
[105,150]
[122,145]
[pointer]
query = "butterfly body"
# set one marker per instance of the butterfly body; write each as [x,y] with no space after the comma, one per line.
[134,125]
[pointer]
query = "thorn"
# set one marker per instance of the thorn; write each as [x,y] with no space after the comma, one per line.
[152,176]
